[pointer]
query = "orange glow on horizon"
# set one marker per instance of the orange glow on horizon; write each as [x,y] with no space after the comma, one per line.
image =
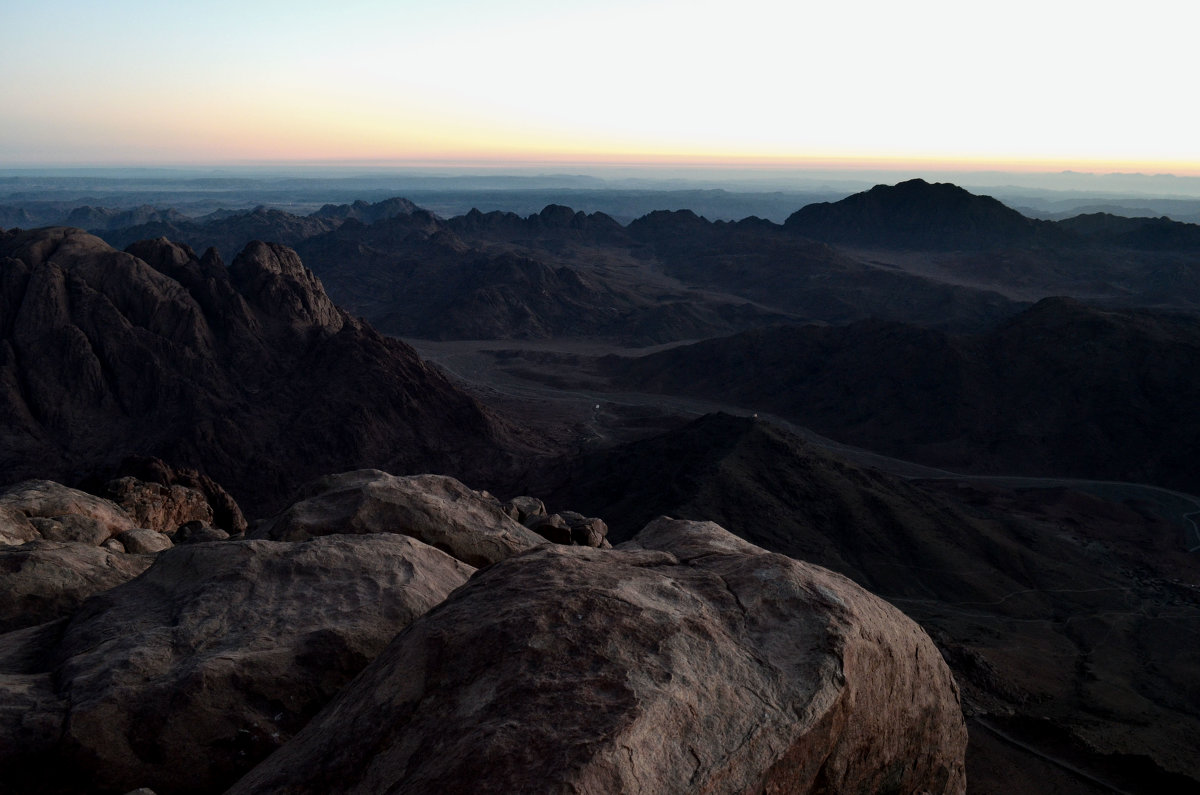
[496,158]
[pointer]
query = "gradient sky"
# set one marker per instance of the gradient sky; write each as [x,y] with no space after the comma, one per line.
[1047,84]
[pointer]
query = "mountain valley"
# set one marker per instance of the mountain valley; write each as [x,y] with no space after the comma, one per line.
[984,419]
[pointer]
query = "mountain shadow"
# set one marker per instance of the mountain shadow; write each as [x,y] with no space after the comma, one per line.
[247,373]
[1062,389]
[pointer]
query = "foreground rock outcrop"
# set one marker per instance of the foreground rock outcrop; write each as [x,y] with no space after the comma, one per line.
[49,510]
[438,510]
[687,660]
[45,580]
[184,678]
[58,546]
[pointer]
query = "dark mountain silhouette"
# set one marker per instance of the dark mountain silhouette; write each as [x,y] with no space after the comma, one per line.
[649,275]
[249,374]
[1145,234]
[979,262]
[18,216]
[416,276]
[229,232]
[760,261]
[946,234]
[366,212]
[917,214]
[1004,581]
[103,218]
[1062,389]
[554,221]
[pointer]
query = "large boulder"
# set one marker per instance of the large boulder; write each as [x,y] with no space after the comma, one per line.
[159,507]
[686,661]
[523,508]
[44,580]
[436,509]
[80,516]
[56,549]
[186,677]
[15,527]
[150,487]
[141,541]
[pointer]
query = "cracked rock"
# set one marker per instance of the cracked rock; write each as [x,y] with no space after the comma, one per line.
[686,660]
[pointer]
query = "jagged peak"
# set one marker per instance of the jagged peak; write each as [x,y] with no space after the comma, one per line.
[272,278]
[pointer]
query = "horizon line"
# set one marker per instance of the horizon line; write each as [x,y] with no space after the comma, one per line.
[1030,166]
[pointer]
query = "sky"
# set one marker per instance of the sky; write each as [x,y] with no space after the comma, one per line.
[1046,85]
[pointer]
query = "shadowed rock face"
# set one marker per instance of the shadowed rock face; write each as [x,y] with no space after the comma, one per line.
[184,678]
[249,374]
[686,661]
[1062,389]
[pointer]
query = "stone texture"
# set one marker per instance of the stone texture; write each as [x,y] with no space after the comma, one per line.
[44,580]
[184,678]
[553,528]
[30,709]
[72,529]
[523,509]
[141,541]
[159,507]
[65,514]
[15,527]
[272,276]
[436,509]
[197,533]
[223,510]
[585,531]
[685,661]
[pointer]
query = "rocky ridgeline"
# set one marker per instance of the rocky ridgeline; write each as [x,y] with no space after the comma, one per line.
[250,374]
[409,634]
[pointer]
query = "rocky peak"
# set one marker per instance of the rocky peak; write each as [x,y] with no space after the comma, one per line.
[211,262]
[664,226]
[365,212]
[921,215]
[249,375]
[557,215]
[272,279]
[171,259]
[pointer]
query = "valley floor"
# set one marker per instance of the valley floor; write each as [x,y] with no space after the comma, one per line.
[1042,623]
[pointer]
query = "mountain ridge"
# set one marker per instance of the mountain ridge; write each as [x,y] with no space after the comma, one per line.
[215,368]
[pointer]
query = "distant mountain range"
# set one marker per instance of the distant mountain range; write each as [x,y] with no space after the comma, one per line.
[902,319]
[930,254]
